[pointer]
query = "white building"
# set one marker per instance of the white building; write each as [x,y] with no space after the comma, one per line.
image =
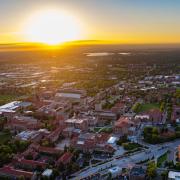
[115,171]
[173,175]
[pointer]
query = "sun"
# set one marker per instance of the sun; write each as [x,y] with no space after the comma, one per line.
[52,27]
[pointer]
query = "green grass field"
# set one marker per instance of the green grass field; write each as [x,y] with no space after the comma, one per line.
[4,98]
[4,137]
[96,129]
[147,107]
[161,159]
[7,98]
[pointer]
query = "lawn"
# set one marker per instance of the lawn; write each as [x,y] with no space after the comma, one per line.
[4,137]
[131,146]
[96,129]
[95,161]
[161,159]
[106,130]
[147,107]
[7,98]
[103,129]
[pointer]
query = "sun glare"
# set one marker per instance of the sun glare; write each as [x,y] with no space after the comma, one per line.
[52,27]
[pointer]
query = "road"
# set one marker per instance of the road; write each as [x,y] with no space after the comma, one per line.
[155,152]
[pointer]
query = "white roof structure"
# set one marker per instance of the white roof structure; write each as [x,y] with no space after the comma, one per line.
[47,172]
[115,171]
[80,142]
[69,95]
[174,175]
[12,106]
[142,116]
[111,140]
[25,135]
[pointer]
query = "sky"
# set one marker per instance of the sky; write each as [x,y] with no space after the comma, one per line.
[122,21]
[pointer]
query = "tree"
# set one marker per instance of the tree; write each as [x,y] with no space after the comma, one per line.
[155,130]
[162,106]
[45,143]
[164,175]
[5,154]
[151,170]
[55,172]
[3,121]
[21,177]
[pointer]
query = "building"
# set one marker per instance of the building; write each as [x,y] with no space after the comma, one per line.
[71,132]
[137,173]
[89,142]
[115,171]
[104,117]
[119,108]
[65,158]
[22,123]
[56,108]
[34,150]
[155,115]
[124,126]
[179,153]
[54,135]
[78,123]
[33,136]
[47,173]
[173,175]
[12,173]
[176,114]
[74,95]
[85,142]
[112,140]
[14,106]
[11,108]
[28,164]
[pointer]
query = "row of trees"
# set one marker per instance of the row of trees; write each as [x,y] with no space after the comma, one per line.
[10,148]
[153,135]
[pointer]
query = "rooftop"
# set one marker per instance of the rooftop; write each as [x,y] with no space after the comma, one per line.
[174,175]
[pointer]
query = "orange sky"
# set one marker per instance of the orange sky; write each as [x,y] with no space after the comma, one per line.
[137,21]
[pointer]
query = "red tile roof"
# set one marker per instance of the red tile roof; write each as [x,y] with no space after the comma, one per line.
[123,122]
[156,114]
[7,170]
[31,162]
[102,137]
[65,158]
[49,150]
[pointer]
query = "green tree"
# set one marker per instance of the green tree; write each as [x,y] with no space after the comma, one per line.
[151,170]
[164,175]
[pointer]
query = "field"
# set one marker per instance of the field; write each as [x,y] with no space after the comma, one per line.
[4,137]
[7,98]
[103,129]
[161,159]
[147,107]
